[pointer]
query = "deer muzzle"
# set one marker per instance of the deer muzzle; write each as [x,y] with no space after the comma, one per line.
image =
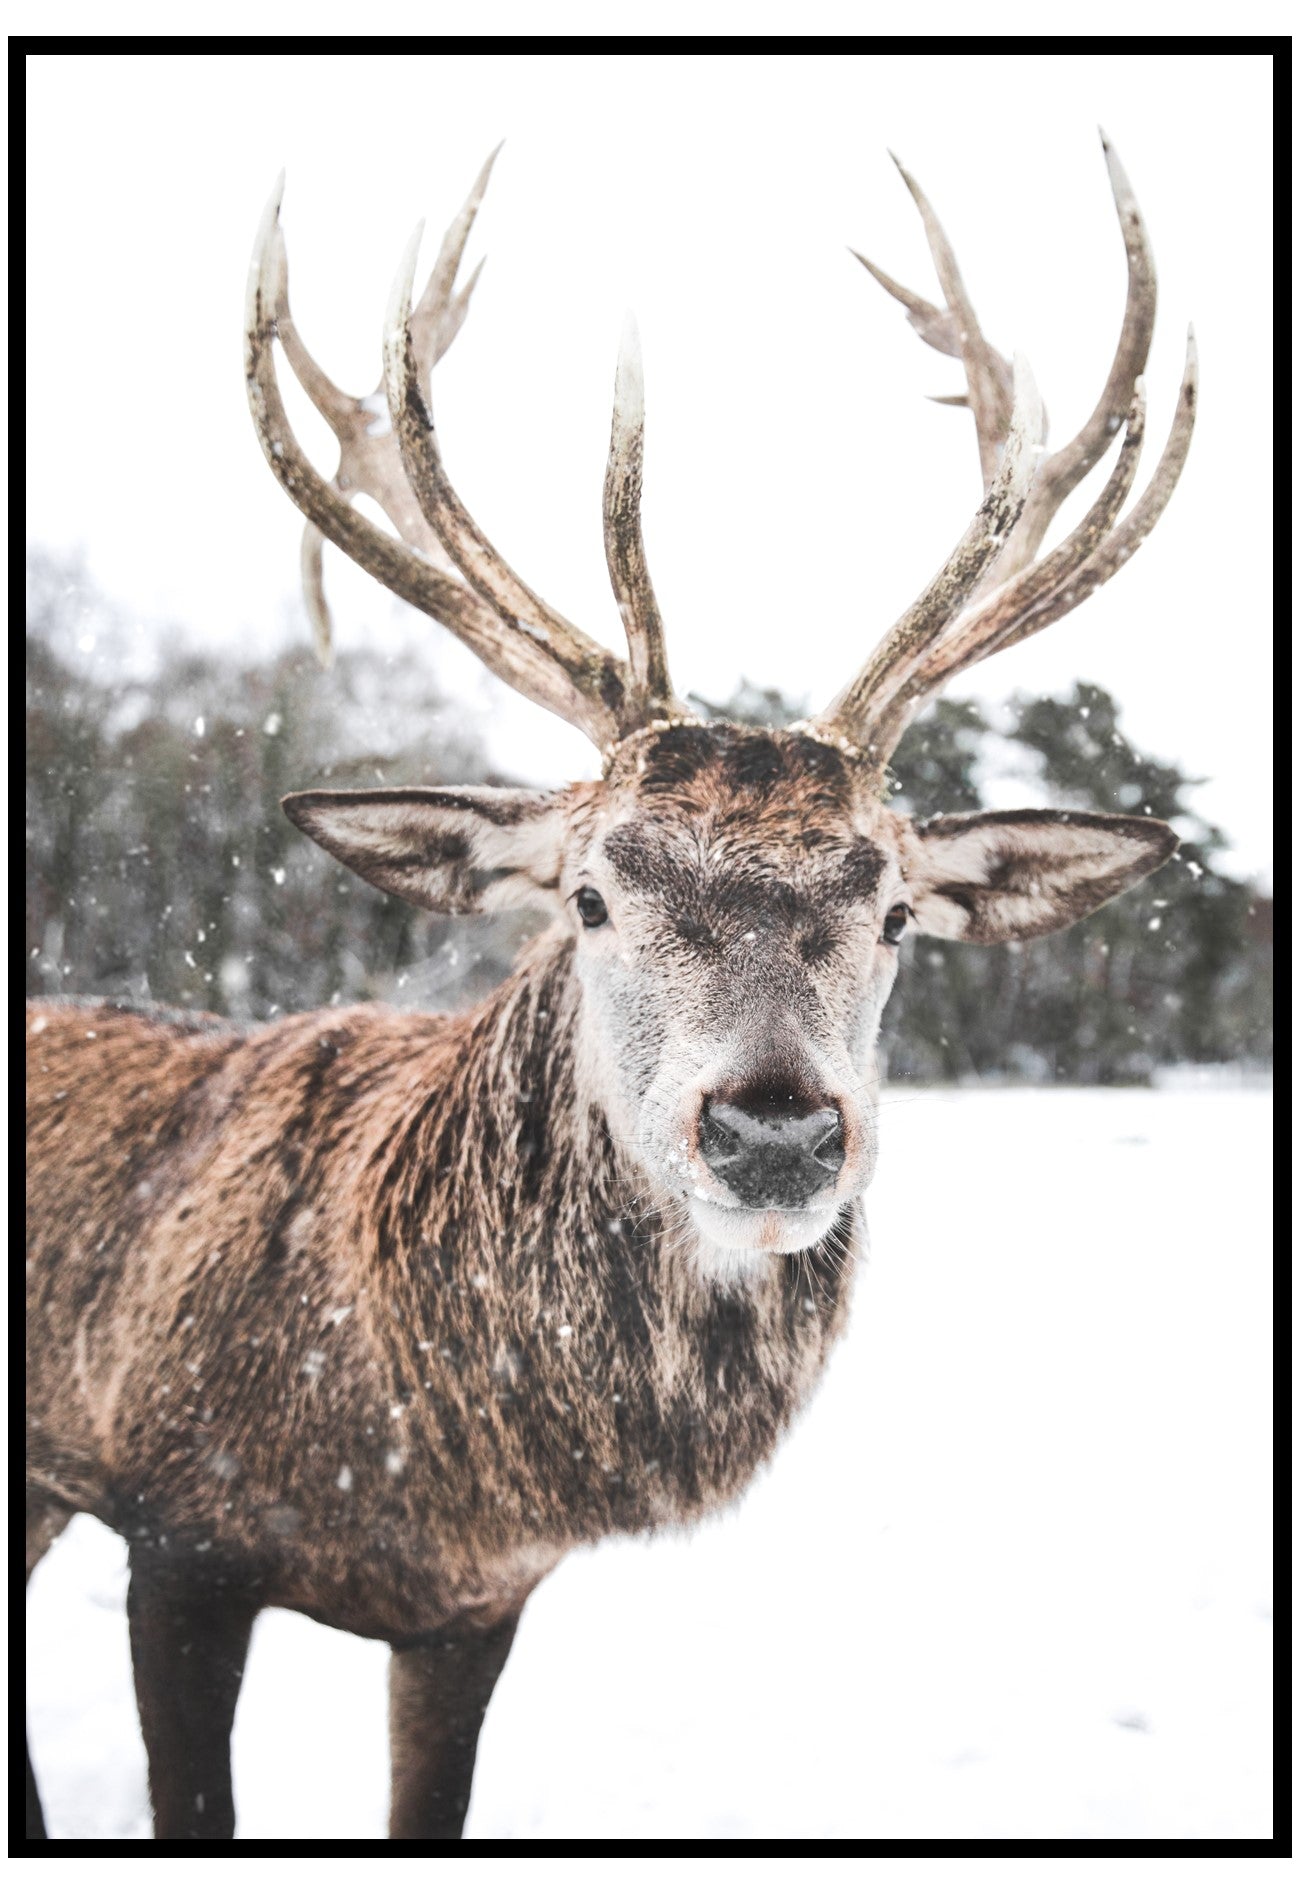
[769,1155]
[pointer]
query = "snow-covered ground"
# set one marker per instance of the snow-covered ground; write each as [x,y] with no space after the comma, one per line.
[1009,1578]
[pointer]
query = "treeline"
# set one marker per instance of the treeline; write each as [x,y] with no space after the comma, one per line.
[160,865]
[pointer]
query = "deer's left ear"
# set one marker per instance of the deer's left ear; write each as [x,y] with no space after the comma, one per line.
[446,849]
[989,878]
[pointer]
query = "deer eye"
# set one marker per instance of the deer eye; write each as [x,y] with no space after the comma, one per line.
[591,907]
[895,924]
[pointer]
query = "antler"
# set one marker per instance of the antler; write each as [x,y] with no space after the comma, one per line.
[624,548]
[957,624]
[369,458]
[442,562]
[445,565]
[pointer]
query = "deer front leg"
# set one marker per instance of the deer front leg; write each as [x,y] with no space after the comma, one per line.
[438,1689]
[189,1639]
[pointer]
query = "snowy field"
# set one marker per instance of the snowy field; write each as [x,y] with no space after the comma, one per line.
[1009,1578]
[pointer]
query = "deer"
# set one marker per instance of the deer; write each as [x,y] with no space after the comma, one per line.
[375,1315]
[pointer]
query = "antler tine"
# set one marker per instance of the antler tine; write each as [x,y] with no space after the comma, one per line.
[311,563]
[526,665]
[329,401]
[439,312]
[1131,532]
[369,460]
[1080,564]
[1072,462]
[983,628]
[859,709]
[624,544]
[590,668]
[986,374]
[937,326]
[905,671]
[955,330]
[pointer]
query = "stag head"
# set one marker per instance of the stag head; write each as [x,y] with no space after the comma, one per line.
[735,897]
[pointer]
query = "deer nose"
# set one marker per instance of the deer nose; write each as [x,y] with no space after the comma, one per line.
[771,1156]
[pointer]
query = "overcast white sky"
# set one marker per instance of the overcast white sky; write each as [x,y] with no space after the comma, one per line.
[800,490]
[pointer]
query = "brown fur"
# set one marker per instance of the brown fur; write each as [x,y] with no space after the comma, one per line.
[362,1222]
[374,1315]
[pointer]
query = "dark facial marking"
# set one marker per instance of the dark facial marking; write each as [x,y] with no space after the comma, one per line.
[635,854]
[754,763]
[820,763]
[861,870]
[773,815]
[676,757]
[816,944]
[783,899]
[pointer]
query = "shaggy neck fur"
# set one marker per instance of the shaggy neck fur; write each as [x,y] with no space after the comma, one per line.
[366,1306]
[586,1371]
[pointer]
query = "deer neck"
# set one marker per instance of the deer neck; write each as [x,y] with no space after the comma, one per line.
[550,1325]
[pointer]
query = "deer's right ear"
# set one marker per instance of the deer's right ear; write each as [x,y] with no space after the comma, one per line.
[446,849]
